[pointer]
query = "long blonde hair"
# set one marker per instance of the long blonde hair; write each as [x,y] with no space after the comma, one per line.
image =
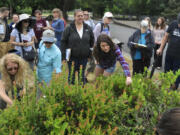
[24,75]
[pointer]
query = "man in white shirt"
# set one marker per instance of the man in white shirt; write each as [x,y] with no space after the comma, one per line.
[88,20]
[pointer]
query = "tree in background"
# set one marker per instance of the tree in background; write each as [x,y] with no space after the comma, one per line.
[131,7]
[29,6]
[172,9]
[167,8]
[98,7]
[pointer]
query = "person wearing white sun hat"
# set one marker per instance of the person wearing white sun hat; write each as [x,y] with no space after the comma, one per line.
[22,37]
[103,27]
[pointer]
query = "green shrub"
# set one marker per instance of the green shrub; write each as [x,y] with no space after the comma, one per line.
[107,107]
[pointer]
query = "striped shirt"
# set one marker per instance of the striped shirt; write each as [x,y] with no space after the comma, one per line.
[123,63]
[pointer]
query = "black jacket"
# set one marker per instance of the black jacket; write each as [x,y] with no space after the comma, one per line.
[80,47]
[5,36]
[146,52]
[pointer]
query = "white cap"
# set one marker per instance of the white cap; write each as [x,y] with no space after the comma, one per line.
[23,17]
[48,36]
[144,24]
[108,15]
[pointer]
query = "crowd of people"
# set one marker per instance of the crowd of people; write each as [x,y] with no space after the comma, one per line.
[84,46]
[43,44]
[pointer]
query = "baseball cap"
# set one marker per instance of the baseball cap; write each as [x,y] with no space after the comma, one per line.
[178,18]
[144,23]
[48,36]
[108,15]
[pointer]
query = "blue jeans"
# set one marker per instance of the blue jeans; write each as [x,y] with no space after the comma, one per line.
[77,64]
[172,64]
[109,70]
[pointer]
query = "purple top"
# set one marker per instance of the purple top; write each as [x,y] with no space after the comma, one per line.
[107,63]
[123,63]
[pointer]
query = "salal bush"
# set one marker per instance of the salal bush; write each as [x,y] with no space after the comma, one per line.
[104,107]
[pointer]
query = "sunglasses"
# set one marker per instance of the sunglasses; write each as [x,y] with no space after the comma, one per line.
[13,68]
[48,43]
[110,18]
[26,21]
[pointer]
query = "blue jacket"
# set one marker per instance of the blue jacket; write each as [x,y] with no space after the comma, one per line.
[49,59]
[58,26]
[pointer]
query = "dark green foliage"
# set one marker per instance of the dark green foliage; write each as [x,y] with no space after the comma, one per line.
[166,8]
[106,107]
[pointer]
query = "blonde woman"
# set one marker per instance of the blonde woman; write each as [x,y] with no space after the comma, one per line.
[158,34]
[16,74]
[57,25]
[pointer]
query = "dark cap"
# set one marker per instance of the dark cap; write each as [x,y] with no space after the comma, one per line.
[178,18]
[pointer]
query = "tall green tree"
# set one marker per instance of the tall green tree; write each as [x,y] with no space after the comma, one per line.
[172,9]
[18,5]
[96,6]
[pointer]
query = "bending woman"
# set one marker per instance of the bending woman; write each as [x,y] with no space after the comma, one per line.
[106,55]
[15,74]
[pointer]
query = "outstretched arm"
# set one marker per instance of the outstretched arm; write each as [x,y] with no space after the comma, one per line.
[123,63]
[3,94]
[125,66]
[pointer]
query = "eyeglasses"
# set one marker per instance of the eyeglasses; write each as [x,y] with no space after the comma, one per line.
[12,68]
[86,14]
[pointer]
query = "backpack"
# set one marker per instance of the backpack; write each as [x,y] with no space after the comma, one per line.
[102,26]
